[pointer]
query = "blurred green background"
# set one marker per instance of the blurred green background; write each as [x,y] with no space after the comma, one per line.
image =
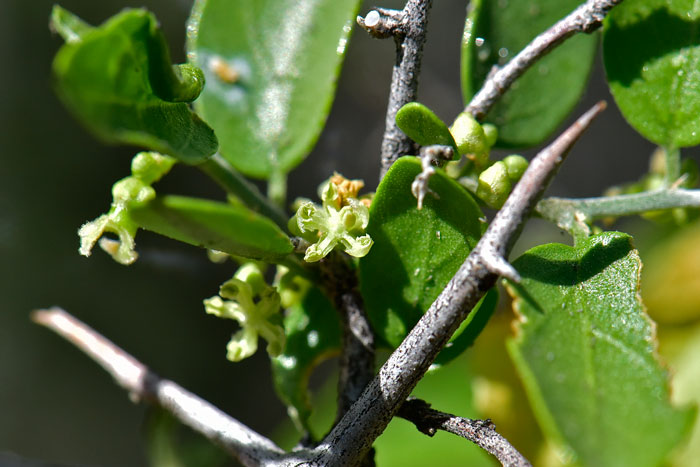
[55,404]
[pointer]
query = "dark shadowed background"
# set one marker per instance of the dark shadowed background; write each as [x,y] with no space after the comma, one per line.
[56,404]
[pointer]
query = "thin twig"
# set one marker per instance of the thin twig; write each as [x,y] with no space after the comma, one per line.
[574,215]
[408,27]
[249,447]
[353,436]
[586,18]
[357,354]
[480,432]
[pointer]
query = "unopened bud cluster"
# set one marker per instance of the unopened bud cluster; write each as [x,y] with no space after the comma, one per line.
[495,179]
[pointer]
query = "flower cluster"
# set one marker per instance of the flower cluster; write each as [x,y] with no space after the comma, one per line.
[146,169]
[340,222]
[490,181]
[246,298]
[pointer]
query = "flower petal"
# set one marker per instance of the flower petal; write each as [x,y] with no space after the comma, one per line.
[320,250]
[310,218]
[328,192]
[357,246]
[225,309]
[242,345]
[123,250]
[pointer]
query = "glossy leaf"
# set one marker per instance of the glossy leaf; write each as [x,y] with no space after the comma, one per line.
[586,352]
[652,50]
[495,31]
[119,82]
[415,252]
[424,127]
[271,69]
[313,335]
[218,226]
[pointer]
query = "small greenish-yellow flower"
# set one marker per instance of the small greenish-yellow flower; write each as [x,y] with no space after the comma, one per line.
[246,298]
[340,222]
[146,169]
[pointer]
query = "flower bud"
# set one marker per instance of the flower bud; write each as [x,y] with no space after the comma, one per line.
[516,166]
[470,138]
[149,167]
[494,185]
[491,134]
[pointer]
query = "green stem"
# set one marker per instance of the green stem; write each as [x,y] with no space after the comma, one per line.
[673,165]
[235,184]
[277,188]
[575,215]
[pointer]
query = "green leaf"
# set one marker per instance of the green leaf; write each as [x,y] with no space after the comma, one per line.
[586,352]
[495,31]
[271,69]
[119,82]
[218,226]
[415,252]
[651,50]
[70,27]
[424,127]
[313,335]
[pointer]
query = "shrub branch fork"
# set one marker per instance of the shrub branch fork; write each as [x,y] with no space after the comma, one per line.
[368,416]
[352,437]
